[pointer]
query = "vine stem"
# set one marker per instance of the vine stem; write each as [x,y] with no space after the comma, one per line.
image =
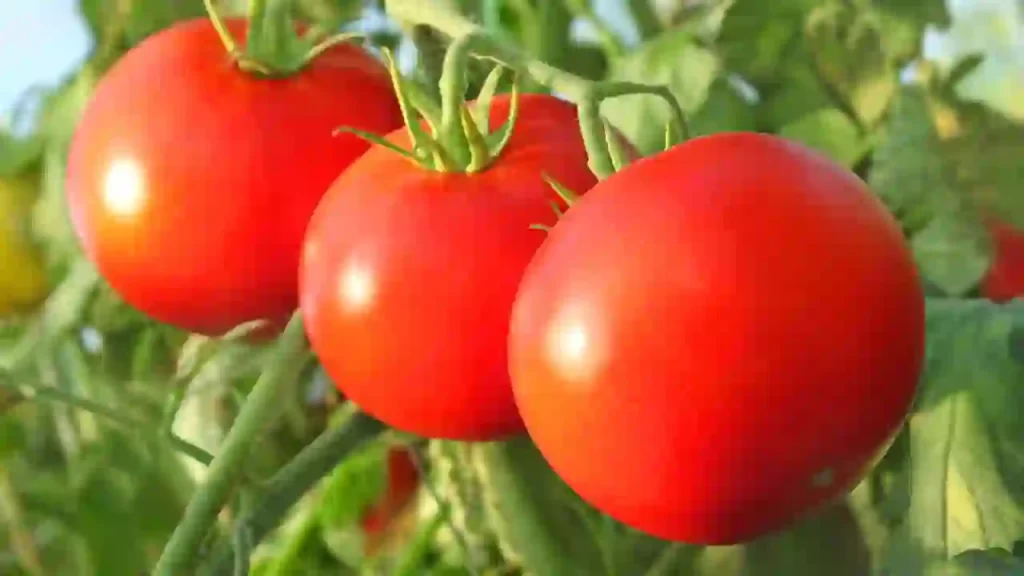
[469,37]
[260,409]
[455,26]
[592,126]
[291,482]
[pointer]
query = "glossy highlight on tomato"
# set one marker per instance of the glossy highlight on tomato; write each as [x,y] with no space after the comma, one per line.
[190,182]
[719,339]
[408,274]
[1005,278]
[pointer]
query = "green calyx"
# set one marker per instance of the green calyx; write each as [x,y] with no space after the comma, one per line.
[457,137]
[273,47]
[564,193]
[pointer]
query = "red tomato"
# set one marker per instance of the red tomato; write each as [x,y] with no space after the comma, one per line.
[190,182]
[1005,279]
[408,275]
[403,480]
[718,339]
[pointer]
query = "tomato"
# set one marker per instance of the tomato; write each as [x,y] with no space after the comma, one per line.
[23,281]
[190,182]
[718,339]
[403,481]
[1005,278]
[408,275]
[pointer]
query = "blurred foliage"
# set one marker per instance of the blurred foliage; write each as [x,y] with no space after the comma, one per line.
[924,100]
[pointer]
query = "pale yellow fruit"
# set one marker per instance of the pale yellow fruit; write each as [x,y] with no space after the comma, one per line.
[23,282]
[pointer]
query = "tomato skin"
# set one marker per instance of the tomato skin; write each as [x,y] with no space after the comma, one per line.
[706,331]
[1005,278]
[408,275]
[403,480]
[190,182]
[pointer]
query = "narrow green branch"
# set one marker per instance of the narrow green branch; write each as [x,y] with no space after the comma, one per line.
[288,485]
[260,409]
[601,160]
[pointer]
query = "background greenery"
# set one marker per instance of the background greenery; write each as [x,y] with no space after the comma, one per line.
[923,99]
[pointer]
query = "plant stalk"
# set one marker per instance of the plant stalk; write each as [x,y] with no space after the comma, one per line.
[260,409]
[291,482]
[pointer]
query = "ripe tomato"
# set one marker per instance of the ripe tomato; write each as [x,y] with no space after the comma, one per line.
[408,275]
[190,182]
[23,280]
[718,339]
[403,481]
[1005,278]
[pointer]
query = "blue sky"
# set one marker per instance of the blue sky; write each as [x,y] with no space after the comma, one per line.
[41,41]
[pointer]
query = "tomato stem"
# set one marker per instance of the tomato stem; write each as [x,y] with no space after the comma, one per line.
[453,95]
[261,408]
[295,479]
[603,152]
[588,95]
[222,30]
[456,26]
[273,46]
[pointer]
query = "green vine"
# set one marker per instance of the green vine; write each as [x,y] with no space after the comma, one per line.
[289,484]
[259,410]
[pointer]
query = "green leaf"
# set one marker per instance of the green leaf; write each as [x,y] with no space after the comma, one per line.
[847,50]
[902,24]
[675,60]
[829,542]
[544,527]
[354,485]
[920,12]
[725,109]
[915,180]
[12,433]
[990,562]
[830,131]
[966,473]
[798,92]
[953,253]
[17,154]
[757,37]
[986,156]
[109,523]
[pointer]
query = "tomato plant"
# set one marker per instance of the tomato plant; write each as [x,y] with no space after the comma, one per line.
[480,372]
[408,274]
[190,181]
[734,326]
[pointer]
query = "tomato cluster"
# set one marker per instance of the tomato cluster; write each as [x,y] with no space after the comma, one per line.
[710,344]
